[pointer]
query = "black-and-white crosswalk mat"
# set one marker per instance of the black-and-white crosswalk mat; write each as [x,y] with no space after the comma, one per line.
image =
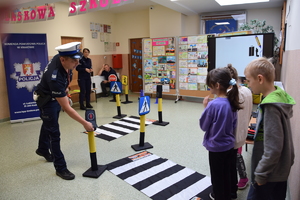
[160,178]
[119,128]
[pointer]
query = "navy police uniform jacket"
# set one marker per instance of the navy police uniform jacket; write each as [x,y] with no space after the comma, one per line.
[55,79]
[84,63]
[106,74]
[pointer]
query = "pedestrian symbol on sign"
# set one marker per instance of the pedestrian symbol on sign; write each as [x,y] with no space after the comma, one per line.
[116,87]
[144,105]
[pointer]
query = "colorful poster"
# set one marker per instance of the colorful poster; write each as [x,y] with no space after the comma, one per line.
[183,40]
[160,41]
[147,46]
[182,63]
[193,55]
[159,51]
[25,57]
[159,63]
[183,55]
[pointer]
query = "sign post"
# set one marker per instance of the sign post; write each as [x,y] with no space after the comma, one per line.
[125,82]
[144,108]
[95,170]
[159,96]
[116,88]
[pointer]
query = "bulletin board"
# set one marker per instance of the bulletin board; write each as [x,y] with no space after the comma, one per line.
[160,64]
[192,65]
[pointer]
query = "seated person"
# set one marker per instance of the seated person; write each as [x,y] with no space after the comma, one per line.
[106,71]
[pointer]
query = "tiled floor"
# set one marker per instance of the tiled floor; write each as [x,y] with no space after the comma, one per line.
[24,175]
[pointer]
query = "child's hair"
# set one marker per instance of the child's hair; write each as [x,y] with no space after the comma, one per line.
[223,77]
[261,66]
[232,71]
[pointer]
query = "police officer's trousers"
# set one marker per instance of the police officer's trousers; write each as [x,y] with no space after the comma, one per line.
[50,134]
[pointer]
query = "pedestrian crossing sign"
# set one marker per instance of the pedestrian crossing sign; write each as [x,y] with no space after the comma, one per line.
[116,87]
[144,105]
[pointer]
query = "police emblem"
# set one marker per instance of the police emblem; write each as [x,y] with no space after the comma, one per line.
[27,74]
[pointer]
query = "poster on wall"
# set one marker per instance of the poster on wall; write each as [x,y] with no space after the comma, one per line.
[25,57]
[159,64]
[193,55]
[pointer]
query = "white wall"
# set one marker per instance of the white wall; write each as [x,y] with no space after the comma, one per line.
[293,27]
[190,25]
[164,22]
[290,78]
[271,15]
[131,25]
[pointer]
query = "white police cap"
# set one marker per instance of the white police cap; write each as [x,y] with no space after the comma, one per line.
[70,49]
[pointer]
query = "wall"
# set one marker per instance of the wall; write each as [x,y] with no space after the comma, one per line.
[4,114]
[271,15]
[129,26]
[164,22]
[190,25]
[291,81]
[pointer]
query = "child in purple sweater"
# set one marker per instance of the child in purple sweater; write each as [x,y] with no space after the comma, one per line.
[219,121]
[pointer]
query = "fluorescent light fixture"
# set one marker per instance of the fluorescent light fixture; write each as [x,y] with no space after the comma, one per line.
[221,23]
[173,0]
[234,2]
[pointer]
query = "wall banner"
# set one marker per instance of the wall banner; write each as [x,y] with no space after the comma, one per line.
[25,57]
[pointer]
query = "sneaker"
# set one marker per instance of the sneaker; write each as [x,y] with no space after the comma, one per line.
[89,106]
[212,196]
[47,156]
[82,108]
[66,174]
[243,183]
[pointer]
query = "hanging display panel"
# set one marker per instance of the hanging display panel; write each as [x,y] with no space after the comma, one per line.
[159,64]
[192,65]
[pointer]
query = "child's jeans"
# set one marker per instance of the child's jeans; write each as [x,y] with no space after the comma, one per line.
[268,191]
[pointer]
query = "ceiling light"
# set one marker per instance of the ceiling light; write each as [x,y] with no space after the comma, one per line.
[221,23]
[173,0]
[234,2]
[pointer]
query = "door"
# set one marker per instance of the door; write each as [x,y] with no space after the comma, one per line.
[135,65]
[65,40]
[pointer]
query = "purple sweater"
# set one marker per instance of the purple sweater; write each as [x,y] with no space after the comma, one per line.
[219,123]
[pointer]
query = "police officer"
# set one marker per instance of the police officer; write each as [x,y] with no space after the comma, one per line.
[52,96]
[106,71]
[84,79]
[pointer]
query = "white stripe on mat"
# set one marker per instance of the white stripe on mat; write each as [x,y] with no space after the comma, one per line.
[131,165]
[192,190]
[136,120]
[101,131]
[128,124]
[166,182]
[118,128]
[149,172]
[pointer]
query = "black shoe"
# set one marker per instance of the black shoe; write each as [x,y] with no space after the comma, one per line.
[82,108]
[47,156]
[66,174]
[89,106]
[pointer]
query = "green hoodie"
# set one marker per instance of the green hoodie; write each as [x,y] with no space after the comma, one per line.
[273,151]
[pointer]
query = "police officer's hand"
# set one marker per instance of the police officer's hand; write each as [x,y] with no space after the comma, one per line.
[88,126]
[88,70]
